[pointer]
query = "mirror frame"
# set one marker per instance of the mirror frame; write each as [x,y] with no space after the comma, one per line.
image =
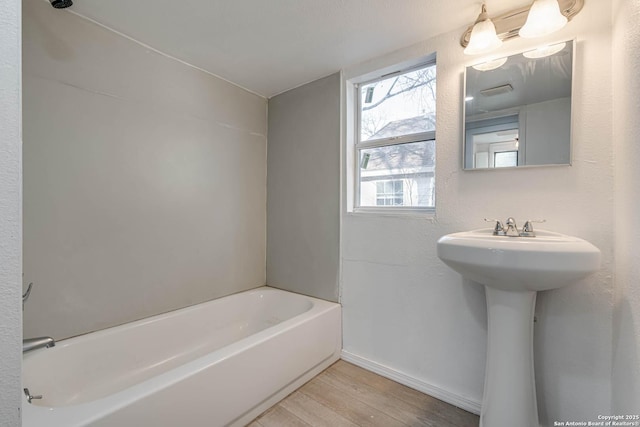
[573,43]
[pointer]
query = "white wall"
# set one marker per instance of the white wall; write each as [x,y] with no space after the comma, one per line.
[10,215]
[303,210]
[144,179]
[626,134]
[405,311]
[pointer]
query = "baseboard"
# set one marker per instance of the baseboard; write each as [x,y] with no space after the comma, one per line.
[416,384]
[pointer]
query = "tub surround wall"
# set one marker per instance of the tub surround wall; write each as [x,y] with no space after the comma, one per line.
[144,179]
[626,134]
[10,214]
[408,315]
[303,181]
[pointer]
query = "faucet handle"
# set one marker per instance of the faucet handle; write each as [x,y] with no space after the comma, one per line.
[498,230]
[30,397]
[527,230]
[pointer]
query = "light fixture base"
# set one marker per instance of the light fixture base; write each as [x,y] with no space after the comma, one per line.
[508,24]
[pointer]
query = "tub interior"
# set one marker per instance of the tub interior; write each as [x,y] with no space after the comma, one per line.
[89,367]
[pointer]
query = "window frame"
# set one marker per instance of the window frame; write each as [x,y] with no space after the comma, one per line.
[359,145]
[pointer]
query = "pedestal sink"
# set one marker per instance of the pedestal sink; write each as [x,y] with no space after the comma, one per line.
[513,270]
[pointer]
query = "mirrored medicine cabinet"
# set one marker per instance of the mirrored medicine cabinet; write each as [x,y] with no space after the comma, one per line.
[517,110]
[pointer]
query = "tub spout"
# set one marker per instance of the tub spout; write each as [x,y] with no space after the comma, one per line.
[35,343]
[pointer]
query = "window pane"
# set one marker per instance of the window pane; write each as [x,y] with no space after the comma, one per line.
[401,105]
[389,193]
[398,175]
[505,159]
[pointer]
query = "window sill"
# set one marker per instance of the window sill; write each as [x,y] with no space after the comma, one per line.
[428,213]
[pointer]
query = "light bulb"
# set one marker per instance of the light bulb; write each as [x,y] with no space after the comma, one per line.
[544,18]
[483,35]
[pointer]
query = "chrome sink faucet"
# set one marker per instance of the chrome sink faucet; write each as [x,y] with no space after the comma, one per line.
[511,229]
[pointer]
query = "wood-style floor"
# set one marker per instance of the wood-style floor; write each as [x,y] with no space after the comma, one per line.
[346,395]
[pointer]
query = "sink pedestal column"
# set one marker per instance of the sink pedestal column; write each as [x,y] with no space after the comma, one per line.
[509,397]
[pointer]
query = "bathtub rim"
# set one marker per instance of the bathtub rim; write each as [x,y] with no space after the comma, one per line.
[69,341]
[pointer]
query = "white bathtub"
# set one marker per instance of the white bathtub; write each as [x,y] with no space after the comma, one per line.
[214,364]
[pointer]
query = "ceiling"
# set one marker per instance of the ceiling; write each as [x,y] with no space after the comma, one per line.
[270,46]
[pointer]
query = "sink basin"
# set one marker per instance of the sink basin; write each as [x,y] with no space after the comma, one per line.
[513,269]
[548,261]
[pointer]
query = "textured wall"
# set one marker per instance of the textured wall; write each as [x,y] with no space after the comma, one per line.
[144,179]
[303,182]
[626,134]
[10,215]
[406,310]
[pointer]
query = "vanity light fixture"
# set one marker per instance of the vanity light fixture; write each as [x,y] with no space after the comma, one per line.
[543,51]
[508,25]
[544,18]
[483,36]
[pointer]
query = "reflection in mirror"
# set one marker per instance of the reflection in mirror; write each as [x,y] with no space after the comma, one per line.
[518,110]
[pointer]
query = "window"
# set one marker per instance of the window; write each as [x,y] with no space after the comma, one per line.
[494,143]
[395,140]
[389,193]
[505,159]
